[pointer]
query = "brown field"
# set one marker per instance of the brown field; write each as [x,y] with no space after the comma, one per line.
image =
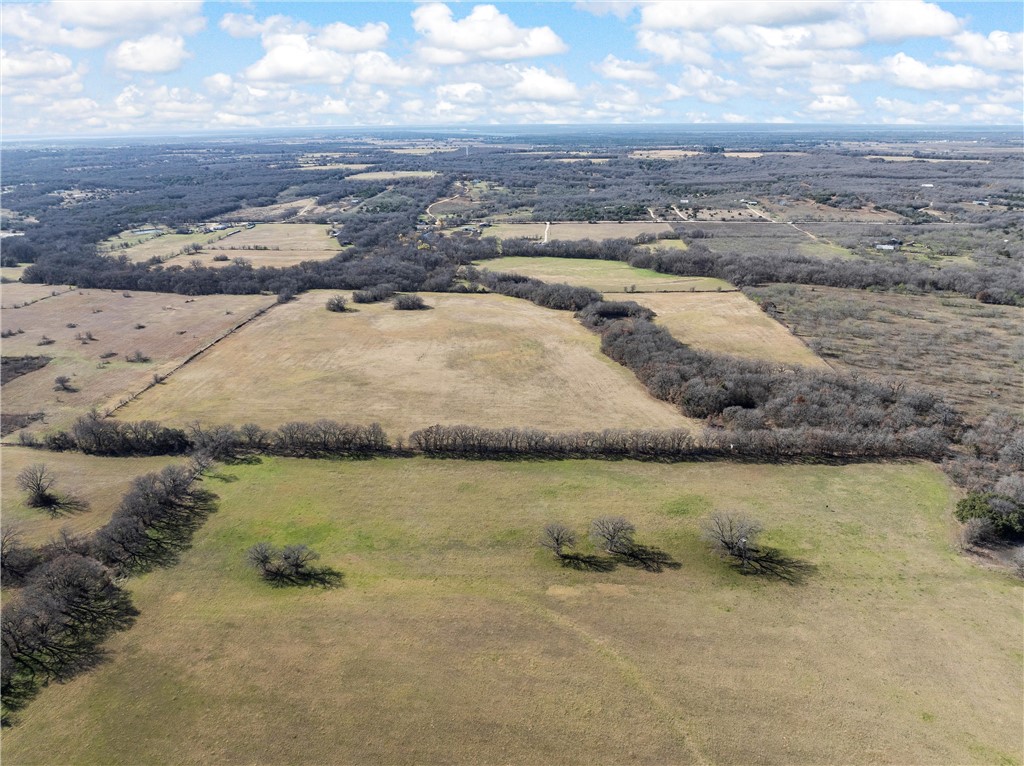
[809,210]
[484,360]
[21,294]
[739,213]
[391,175]
[337,166]
[575,231]
[907,158]
[457,640]
[175,328]
[595,160]
[164,247]
[726,323]
[664,154]
[955,347]
[281,211]
[101,481]
[13,273]
[283,236]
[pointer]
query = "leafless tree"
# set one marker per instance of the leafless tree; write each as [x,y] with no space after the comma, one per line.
[557,537]
[614,533]
[37,480]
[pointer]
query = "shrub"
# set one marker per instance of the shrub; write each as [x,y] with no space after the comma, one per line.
[409,302]
[337,303]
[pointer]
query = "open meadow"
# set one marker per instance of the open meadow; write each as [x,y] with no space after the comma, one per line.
[572,231]
[484,360]
[613,276]
[956,347]
[163,247]
[100,481]
[90,336]
[273,244]
[457,639]
[390,175]
[725,323]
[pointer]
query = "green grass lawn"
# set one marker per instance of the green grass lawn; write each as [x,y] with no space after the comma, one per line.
[603,276]
[457,639]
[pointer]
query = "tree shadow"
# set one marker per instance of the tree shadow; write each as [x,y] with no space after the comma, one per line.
[313,577]
[61,505]
[773,564]
[585,562]
[647,557]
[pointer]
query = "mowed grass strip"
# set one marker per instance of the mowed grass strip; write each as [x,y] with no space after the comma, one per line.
[578,230]
[456,639]
[725,323]
[603,276]
[484,360]
[165,327]
[101,481]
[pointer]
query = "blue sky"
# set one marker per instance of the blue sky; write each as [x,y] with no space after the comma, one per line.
[124,67]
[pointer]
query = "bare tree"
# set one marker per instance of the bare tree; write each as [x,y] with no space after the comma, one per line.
[557,537]
[37,480]
[63,383]
[734,536]
[615,533]
[337,303]
[261,556]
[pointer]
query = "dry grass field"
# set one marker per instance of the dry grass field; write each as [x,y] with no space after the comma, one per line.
[575,231]
[956,347]
[726,323]
[456,639]
[20,294]
[391,175]
[483,360]
[611,276]
[809,210]
[287,244]
[166,328]
[164,246]
[101,481]
[907,158]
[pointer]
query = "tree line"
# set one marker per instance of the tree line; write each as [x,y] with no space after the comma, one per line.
[65,598]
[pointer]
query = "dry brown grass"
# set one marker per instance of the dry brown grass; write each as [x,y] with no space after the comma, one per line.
[174,328]
[603,276]
[726,323]
[956,347]
[101,481]
[483,360]
[458,640]
[391,175]
[576,231]
[21,294]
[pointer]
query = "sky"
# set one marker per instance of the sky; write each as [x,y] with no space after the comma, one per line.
[126,67]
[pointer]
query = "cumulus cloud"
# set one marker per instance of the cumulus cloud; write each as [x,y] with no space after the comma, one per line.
[152,54]
[536,84]
[901,19]
[705,85]
[910,73]
[834,106]
[999,50]
[906,112]
[712,14]
[676,46]
[33,64]
[342,37]
[94,23]
[379,68]
[485,34]
[293,58]
[615,68]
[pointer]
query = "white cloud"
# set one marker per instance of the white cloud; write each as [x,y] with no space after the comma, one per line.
[93,23]
[618,8]
[910,73]
[705,85]
[536,84]
[834,106]
[631,71]
[219,84]
[33,64]
[152,54]
[71,107]
[461,92]
[1000,50]
[676,47]
[379,68]
[342,37]
[712,14]
[898,110]
[900,19]
[997,112]
[334,106]
[292,58]
[485,34]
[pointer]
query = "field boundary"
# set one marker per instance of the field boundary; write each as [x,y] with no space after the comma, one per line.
[54,294]
[191,357]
